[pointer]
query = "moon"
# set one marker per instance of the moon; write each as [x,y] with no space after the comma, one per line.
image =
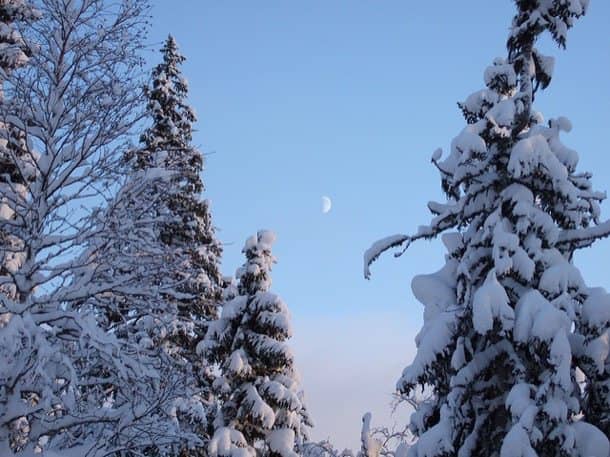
[326,204]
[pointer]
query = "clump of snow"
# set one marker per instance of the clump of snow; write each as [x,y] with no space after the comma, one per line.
[228,442]
[490,303]
[436,441]
[537,319]
[596,309]
[379,247]
[516,443]
[531,153]
[281,441]
[590,441]
[500,77]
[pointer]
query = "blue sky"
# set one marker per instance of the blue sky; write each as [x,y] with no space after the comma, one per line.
[348,99]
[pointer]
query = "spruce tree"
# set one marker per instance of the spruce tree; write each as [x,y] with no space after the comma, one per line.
[509,324]
[262,405]
[14,52]
[16,170]
[593,352]
[16,164]
[187,231]
[167,144]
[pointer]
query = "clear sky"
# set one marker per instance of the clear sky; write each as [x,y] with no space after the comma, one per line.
[349,99]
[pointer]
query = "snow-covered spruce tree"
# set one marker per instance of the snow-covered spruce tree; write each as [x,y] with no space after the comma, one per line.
[187,232]
[262,409]
[594,355]
[13,54]
[509,324]
[167,144]
[76,103]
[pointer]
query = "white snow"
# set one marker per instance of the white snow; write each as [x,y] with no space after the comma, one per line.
[490,303]
[379,247]
[517,444]
[537,318]
[596,308]
[590,441]
[281,441]
[228,442]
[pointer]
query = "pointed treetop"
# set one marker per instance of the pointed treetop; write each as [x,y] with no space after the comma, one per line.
[171,52]
[533,18]
[167,142]
[255,275]
[536,16]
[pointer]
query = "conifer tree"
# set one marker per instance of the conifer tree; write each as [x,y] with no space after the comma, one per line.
[593,351]
[509,322]
[262,406]
[15,171]
[14,51]
[186,232]
[167,144]
[16,165]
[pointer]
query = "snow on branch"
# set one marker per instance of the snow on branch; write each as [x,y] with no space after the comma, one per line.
[380,246]
[584,237]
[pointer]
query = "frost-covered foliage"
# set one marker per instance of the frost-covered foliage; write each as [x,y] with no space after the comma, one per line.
[186,232]
[369,446]
[374,442]
[514,347]
[383,441]
[134,270]
[323,449]
[593,350]
[127,253]
[67,386]
[262,407]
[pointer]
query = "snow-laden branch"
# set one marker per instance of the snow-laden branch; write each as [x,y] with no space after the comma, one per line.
[380,246]
[71,239]
[583,237]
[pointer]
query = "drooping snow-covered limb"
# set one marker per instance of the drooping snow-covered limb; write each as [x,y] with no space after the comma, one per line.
[379,247]
[228,442]
[447,215]
[570,240]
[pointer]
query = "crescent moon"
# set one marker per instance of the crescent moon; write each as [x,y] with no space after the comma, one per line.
[326,204]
